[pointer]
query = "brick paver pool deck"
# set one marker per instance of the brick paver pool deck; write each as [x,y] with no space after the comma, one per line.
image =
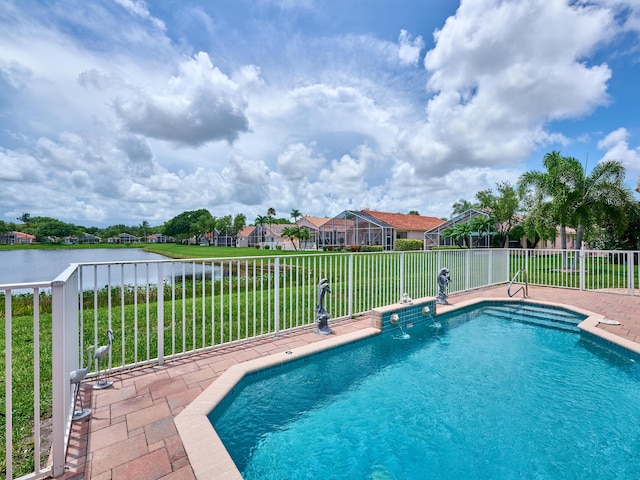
[131,433]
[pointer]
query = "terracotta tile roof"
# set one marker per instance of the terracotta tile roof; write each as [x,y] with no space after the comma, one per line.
[317,221]
[246,231]
[403,221]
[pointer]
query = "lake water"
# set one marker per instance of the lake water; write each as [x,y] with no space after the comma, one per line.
[21,266]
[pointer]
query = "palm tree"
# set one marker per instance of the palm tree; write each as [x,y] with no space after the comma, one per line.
[296,232]
[271,214]
[295,214]
[553,186]
[482,225]
[460,231]
[144,226]
[575,199]
[602,194]
[260,222]
[290,232]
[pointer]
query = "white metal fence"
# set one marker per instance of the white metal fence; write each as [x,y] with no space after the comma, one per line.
[160,310]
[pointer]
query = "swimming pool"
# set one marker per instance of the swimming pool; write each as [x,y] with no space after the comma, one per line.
[471,395]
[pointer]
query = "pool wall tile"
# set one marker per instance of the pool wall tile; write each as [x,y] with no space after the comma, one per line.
[418,311]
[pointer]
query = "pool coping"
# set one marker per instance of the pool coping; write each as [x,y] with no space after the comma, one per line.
[207,454]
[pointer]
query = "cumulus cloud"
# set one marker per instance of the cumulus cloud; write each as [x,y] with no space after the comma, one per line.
[498,77]
[298,161]
[138,152]
[345,177]
[616,147]
[19,167]
[247,179]
[409,49]
[199,105]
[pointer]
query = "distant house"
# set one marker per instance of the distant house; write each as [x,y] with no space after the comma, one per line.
[89,238]
[313,224]
[124,238]
[14,238]
[368,227]
[247,237]
[70,240]
[223,240]
[159,238]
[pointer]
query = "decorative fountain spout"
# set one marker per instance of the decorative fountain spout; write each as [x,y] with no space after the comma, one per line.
[322,316]
[443,283]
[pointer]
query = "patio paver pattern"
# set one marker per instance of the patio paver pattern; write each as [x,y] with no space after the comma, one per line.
[131,433]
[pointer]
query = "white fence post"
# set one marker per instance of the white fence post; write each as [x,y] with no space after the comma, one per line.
[60,378]
[401,286]
[350,283]
[8,385]
[581,257]
[467,268]
[630,271]
[160,322]
[276,295]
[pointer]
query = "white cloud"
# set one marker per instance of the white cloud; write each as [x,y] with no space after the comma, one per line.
[616,147]
[139,126]
[298,162]
[199,105]
[140,9]
[18,167]
[498,77]
[409,49]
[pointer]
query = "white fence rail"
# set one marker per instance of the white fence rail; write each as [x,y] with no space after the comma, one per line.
[160,310]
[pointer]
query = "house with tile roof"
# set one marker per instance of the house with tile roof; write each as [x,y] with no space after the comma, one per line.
[314,225]
[13,238]
[369,227]
[248,237]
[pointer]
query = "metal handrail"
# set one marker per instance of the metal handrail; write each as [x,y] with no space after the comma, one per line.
[524,288]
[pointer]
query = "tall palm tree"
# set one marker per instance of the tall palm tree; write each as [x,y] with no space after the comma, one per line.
[553,186]
[483,225]
[601,194]
[460,231]
[260,222]
[575,198]
[271,216]
[295,214]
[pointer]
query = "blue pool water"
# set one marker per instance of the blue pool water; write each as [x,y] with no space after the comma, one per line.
[471,396]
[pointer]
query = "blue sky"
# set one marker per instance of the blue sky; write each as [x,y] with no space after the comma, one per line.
[121,111]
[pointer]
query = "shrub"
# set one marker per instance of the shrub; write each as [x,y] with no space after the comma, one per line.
[278,247]
[257,246]
[267,247]
[371,248]
[355,248]
[406,244]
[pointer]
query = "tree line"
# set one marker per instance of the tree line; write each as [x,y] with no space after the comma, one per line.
[189,224]
[544,203]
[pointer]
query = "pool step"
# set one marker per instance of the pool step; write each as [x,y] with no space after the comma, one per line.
[537,315]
